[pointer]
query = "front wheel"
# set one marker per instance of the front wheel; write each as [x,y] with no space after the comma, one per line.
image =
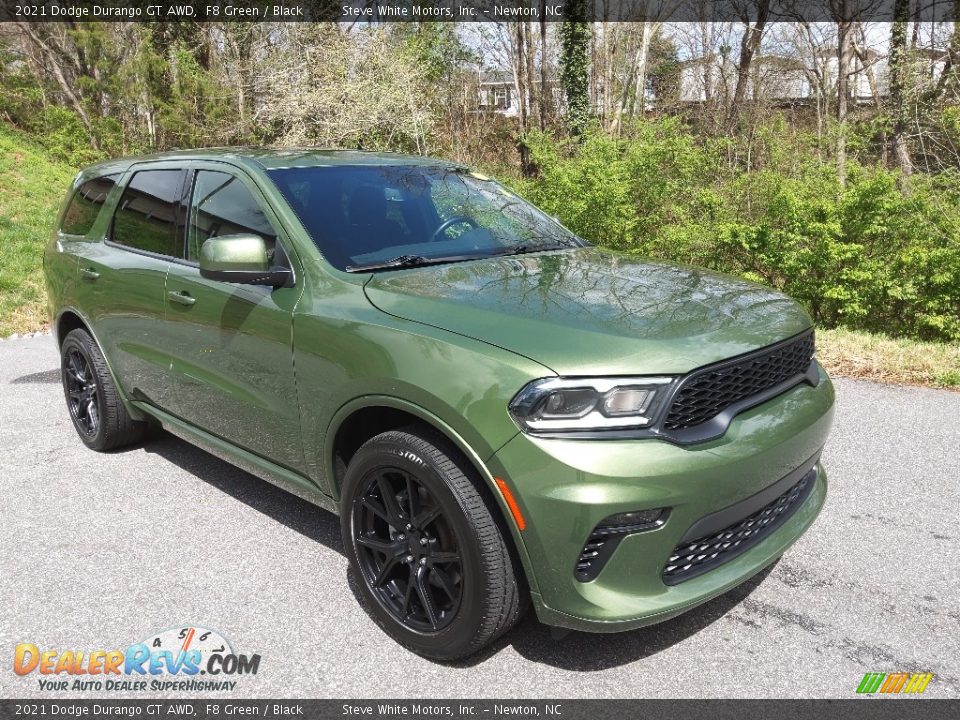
[434,565]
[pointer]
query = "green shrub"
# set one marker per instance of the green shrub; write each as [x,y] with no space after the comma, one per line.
[865,256]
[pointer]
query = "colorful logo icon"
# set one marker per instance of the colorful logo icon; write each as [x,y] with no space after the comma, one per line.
[894,683]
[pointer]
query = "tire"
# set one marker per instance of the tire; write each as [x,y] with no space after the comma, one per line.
[99,416]
[403,554]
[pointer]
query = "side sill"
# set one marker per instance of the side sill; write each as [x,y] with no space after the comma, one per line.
[254,464]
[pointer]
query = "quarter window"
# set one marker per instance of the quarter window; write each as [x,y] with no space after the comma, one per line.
[222,205]
[85,205]
[146,218]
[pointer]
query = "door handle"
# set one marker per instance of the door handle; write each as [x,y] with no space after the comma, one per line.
[181,297]
[90,273]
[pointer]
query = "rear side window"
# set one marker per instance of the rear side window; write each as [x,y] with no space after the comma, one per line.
[222,205]
[146,218]
[85,205]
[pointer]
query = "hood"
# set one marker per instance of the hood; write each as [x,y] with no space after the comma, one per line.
[593,312]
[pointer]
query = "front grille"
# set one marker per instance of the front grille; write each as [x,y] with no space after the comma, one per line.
[693,558]
[706,393]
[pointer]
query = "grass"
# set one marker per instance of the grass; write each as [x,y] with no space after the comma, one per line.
[31,188]
[848,353]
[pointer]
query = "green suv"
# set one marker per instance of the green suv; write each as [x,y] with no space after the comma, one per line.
[499,413]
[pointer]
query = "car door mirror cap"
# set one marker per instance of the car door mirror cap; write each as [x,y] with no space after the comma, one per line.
[240,258]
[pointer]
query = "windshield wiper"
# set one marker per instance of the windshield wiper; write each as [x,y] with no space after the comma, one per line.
[402,261]
[524,249]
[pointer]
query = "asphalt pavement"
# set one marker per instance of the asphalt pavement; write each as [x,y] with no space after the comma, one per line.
[104,550]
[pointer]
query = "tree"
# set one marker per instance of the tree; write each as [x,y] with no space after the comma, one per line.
[575,67]
[898,103]
[845,27]
[749,45]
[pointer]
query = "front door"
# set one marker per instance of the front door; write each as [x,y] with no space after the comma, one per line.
[232,344]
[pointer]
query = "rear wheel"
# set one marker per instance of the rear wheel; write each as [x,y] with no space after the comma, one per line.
[98,414]
[434,565]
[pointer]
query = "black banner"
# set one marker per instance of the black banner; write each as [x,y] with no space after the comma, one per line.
[427,709]
[379,11]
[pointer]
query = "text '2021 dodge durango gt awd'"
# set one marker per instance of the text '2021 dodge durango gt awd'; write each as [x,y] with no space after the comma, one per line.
[499,413]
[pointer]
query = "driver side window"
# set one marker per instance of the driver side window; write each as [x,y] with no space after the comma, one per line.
[222,205]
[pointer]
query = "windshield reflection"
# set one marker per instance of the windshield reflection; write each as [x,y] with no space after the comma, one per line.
[362,215]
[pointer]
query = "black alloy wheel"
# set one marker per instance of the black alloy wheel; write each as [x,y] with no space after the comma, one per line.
[423,533]
[83,399]
[407,550]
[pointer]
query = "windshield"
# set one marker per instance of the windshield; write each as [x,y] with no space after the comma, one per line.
[361,216]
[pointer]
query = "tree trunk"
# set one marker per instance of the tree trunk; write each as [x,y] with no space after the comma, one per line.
[520,79]
[545,99]
[898,103]
[844,37]
[749,45]
[534,99]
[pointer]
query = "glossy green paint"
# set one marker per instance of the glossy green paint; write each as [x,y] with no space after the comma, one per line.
[594,312]
[266,376]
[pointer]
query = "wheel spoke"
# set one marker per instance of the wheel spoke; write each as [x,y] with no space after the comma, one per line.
[444,558]
[385,571]
[377,509]
[413,499]
[390,549]
[405,609]
[426,517]
[390,504]
[446,584]
[423,591]
[73,370]
[92,414]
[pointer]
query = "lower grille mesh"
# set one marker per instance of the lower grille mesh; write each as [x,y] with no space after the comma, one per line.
[696,557]
[590,555]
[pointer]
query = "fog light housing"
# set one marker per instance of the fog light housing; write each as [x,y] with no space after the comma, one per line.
[608,534]
[625,521]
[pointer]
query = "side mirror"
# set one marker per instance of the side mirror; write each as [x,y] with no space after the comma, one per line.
[240,259]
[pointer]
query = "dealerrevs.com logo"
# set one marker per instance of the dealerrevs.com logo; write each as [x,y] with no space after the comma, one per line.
[188,659]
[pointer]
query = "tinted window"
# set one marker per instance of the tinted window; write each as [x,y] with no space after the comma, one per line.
[85,205]
[222,205]
[369,214]
[146,216]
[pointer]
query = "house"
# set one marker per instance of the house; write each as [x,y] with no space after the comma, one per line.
[497,92]
[782,79]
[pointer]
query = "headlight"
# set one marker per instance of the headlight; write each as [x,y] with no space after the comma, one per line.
[589,404]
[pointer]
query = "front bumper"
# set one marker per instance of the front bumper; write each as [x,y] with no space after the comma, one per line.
[566,487]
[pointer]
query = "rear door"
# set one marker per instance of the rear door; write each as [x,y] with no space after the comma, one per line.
[232,344]
[122,278]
